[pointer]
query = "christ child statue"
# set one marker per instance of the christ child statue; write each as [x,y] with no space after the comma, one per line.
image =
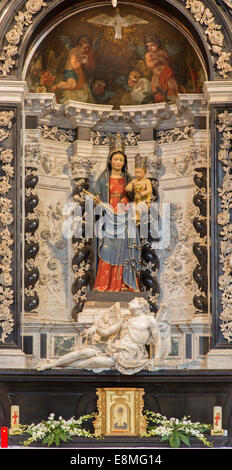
[140,185]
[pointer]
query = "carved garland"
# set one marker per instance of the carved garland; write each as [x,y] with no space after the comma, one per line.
[175,135]
[224,220]
[213,34]
[103,138]
[57,133]
[14,36]
[6,219]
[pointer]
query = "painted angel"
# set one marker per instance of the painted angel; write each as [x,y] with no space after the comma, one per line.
[79,66]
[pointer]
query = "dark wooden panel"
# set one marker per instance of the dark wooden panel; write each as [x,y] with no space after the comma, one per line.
[70,393]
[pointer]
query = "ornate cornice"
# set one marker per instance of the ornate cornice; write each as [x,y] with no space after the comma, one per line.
[217,92]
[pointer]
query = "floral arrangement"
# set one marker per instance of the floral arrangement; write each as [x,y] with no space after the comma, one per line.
[175,430]
[54,431]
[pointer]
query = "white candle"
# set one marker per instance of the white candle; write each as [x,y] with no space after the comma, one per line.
[14,416]
[217,418]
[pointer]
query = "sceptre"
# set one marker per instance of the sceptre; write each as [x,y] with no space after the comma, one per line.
[103,204]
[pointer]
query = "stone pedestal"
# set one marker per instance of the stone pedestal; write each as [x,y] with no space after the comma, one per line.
[219,359]
[12,359]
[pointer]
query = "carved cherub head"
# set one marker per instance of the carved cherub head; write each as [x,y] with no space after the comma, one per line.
[181,163]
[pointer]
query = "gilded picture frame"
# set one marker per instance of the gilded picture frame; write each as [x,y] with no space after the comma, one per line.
[120,412]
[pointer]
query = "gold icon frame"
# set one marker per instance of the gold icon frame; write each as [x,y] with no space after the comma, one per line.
[120,412]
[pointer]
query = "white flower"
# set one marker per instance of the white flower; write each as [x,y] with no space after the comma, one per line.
[33,6]
[13,37]
[20,17]
[216,37]
[12,50]
[216,49]
[197,9]
[6,155]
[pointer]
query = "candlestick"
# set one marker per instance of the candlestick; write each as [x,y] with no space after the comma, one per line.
[4,437]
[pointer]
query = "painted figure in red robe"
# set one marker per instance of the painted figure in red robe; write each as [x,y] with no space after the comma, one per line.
[163,83]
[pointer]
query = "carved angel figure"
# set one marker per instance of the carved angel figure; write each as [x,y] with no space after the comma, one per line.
[117,341]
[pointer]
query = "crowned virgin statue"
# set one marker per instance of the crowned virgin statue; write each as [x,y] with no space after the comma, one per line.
[118,251]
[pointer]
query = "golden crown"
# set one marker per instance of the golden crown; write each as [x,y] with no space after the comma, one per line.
[140,161]
[117,143]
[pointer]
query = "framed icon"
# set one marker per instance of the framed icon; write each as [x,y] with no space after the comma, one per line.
[120,412]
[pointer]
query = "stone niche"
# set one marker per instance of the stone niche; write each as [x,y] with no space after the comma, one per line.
[72,142]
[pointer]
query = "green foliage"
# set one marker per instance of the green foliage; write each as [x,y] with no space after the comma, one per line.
[52,432]
[174,430]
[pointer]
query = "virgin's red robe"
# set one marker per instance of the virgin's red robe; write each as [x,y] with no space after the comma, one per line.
[110,277]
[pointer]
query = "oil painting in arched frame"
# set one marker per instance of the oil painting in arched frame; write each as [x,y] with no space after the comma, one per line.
[123,56]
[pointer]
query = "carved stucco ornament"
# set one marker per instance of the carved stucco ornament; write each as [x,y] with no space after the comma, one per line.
[13,37]
[6,219]
[224,221]
[175,135]
[213,34]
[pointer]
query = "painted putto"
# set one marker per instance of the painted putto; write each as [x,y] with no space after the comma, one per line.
[117,56]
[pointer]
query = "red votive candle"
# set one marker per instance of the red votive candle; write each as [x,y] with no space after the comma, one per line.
[4,437]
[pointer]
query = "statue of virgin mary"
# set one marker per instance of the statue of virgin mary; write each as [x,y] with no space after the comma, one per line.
[118,251]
